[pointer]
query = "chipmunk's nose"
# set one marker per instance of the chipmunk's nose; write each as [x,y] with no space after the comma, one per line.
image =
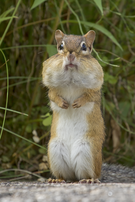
[71,57]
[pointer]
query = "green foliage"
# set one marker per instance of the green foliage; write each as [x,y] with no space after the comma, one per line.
[99,5]
[48,120]
[51,50]
[27,39]
[109,78]
[4,14]
[37,3]
[99,28]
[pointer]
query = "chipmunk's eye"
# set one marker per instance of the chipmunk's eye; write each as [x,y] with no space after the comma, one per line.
[61,46]
[84,48]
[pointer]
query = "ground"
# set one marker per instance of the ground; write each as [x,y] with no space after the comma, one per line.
[41,192]
[117,184]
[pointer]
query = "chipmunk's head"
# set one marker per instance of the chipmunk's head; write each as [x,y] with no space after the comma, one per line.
[73,47]
[73,64]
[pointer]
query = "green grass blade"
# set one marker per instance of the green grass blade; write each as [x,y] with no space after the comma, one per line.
[103,60]
[82,13]
[1,40]
[6,12]
[23,138]
[27,46]
[11,110]
[6,94]
[78,21]
[99,5]
[19,77]
[7,18]
[37,3]
[18,83]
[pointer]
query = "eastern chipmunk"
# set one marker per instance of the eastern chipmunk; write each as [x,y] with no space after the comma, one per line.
[74,79]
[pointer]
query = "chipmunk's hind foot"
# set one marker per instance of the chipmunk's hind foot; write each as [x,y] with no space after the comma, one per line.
[89,181]
[56,180]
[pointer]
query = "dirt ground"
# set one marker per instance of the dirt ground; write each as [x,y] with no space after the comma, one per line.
[41,192]
[117,184]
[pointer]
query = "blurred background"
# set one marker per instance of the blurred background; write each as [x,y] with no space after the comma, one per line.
[27,31]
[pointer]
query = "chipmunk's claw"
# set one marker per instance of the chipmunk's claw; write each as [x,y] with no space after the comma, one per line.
[63,104]
[56,180]
[76,104]
[89,181]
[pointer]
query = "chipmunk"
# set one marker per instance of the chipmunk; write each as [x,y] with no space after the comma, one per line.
[74,79]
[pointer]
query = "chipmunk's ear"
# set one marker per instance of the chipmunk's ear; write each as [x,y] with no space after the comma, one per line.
[89,38]
[59,36]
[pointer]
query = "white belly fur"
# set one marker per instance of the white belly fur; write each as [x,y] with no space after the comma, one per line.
[70,153]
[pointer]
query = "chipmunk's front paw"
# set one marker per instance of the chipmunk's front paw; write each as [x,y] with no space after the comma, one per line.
[63,103]
[77,103]
[89,181]
[56,180]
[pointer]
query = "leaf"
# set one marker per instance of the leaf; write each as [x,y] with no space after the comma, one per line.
[29,128]
[42,151]
[37,3]
[109,78]
[47,121]
[99,5]
[44,109]
[52,50]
